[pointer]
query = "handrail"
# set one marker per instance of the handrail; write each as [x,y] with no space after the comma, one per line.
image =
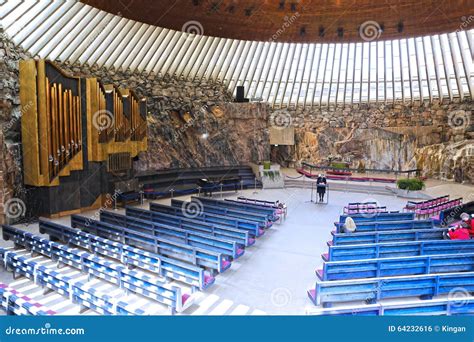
[312,166]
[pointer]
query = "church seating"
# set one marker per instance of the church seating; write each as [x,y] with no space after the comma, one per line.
[326,293]
[214,261]
[203,240]
[78,292]
[233,234]
[436,209]
[386,236]
[412,205]
[133,281]
[281,208]
[262,220]
[453,214]
[271,213]
[433,307]
[253,228]
[398,249]
[16,303]
[399,266]
[362,218]
[392,225]
[128,255]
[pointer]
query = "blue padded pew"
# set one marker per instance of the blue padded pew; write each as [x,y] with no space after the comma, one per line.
[392,267]
[398,249]
[240,213]
[388,236]
[77,291]
[271,213]
[392,225]
[433,307]
[128,255]
[241,237]
[133,281]
[16,303]
[361,218]
[209,242]
[253,228]
[371,290]
[197,256]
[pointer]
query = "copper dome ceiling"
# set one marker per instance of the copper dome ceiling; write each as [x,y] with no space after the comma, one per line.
[299,20]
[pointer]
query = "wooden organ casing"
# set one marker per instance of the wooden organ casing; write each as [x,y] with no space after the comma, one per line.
[78,136]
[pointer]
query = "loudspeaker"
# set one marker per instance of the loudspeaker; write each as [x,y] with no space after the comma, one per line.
[240,94]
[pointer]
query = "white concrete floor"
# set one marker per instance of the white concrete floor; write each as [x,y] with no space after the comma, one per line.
[273,275]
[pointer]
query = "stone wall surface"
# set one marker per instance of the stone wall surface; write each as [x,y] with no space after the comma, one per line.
[383,136]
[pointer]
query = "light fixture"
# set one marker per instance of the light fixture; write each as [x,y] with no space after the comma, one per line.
[205,135]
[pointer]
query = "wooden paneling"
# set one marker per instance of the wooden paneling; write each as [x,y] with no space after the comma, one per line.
[320,19]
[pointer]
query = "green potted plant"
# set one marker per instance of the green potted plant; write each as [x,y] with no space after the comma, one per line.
[410,184]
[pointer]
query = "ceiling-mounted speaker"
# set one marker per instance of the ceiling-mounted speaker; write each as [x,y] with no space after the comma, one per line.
[240,94]
[248,12]
[293,7]
[281,6]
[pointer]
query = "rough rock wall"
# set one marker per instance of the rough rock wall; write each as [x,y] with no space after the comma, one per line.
[12,191]
[386,136]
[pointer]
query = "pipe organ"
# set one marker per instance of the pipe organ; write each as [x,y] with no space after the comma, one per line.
[79,136]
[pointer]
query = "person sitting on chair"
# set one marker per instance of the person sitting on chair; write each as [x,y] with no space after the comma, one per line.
[321,187]
[349,225]
[462,231]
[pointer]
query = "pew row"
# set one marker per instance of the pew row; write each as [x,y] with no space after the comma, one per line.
[133,281]
[128,255]
[363,218]
[412,205]
[399,249]
[241,237]
[371,290]
[387,236]
[391,225]
[271,213]
[282,209]
[197,256]
[262,220]
[16,303]
[436,209]
[205,241]
[392,267]
[433,307]
[77,292]
[252,228]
